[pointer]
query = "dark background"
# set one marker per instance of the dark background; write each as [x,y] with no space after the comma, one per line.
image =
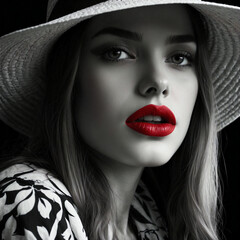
[15,14]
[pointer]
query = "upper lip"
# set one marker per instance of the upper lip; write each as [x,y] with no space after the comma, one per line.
[163,111]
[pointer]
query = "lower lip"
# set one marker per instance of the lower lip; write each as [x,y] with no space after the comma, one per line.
[152,129]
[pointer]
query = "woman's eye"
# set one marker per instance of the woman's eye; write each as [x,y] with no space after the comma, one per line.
[181,59]
[115,55]
[112,54]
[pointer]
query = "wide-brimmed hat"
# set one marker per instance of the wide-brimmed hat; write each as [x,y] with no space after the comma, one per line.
[23,54]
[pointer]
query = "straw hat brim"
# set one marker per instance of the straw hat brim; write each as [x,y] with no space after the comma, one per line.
[23,55]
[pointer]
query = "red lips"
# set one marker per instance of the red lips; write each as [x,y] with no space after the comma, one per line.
[156,129]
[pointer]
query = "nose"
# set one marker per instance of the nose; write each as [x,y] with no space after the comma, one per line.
[155,86]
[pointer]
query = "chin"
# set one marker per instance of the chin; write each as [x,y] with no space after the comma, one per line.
[157,162]
[153,160]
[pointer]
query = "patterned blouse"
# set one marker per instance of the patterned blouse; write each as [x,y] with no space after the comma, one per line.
[35,205]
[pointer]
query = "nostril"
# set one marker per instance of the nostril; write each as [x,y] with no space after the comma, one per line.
[165,92]
[151,90]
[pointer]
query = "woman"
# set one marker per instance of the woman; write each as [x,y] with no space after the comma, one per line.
[119,95]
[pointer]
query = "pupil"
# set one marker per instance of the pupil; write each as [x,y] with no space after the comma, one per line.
[115,54]
[178,59]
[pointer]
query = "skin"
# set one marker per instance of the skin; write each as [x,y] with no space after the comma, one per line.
[109,92]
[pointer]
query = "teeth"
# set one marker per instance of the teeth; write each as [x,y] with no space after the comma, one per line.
[148,118]
[157,118]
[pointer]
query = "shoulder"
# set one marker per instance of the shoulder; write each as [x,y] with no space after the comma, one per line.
[28,175]
[36,205]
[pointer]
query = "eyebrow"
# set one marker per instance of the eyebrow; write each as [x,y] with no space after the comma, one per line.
[120,33]
[138,37]
[180,39]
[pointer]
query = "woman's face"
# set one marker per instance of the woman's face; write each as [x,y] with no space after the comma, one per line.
[131,59]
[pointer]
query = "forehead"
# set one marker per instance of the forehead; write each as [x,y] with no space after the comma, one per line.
[172,19]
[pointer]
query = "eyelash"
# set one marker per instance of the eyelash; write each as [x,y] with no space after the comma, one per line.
[184,54]
[103,51]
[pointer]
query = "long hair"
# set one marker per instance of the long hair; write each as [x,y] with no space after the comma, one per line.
[194,202]
[69,156]
[57,146]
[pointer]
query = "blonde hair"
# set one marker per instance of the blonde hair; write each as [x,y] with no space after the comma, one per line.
[193,211]
[56,145]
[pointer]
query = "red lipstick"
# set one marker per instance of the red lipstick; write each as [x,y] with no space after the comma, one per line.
[152,120]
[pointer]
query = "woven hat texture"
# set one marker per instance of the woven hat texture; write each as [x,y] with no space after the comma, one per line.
[23,54]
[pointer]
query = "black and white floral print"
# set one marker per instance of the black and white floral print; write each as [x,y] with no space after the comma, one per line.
[35,205]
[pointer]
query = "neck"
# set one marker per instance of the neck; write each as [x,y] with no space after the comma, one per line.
[123,180]
[123,184]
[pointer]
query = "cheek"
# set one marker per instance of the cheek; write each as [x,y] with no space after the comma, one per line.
[102,101]
[106,89]
[185,96]
[190,96]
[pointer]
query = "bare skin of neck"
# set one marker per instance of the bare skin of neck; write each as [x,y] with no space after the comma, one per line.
[124,184]
[123,180]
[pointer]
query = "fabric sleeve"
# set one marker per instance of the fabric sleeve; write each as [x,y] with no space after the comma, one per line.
[36,206]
